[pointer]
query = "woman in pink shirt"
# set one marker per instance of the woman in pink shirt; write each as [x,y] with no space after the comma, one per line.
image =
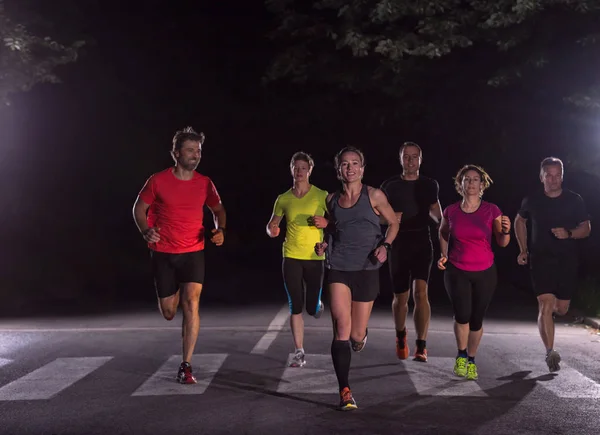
[468,261]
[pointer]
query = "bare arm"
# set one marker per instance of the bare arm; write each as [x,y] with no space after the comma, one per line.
[444,235]
[435,212]
[219,216]
[381,205]
[502,235]
[273,225]
[582,230]
[521,233]
[140,211]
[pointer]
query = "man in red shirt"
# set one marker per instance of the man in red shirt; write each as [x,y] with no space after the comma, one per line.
[169,214]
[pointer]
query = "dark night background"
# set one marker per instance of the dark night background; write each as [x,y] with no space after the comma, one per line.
[75,155]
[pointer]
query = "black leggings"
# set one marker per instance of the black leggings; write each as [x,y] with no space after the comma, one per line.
[301,275]
[470,293]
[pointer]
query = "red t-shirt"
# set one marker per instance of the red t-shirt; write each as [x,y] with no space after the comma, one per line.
[471,236]
[177,209]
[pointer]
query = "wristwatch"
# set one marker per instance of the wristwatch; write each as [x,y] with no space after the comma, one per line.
[570,234]
[386,245]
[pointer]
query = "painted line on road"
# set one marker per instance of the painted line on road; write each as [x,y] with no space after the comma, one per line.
[51,379]
[436,379]
[316,377]
[162,382]
[567,383]
[275,327]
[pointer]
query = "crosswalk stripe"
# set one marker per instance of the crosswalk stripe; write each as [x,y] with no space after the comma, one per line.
[316,377]
[162,382]
[51,379]
[4,361]
[435,378]
[568,383]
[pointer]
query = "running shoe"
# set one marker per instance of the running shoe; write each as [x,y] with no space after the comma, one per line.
[298,359]
[358,346]
[319,310]
[347,402]
[420,355]
[553,360]
[402,350]
[460,366]
[472,371]
[184,375]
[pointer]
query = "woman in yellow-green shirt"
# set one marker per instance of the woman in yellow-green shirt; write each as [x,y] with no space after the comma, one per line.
[303,207]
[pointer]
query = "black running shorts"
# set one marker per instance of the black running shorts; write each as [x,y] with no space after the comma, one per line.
[363,284]
[409,259]
[554,275]
[172,270]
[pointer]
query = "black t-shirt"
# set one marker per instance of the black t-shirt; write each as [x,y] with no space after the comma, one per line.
[412,198]
[565,211]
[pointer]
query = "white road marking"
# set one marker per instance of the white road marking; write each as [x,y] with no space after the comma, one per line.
[49,380]
[163,383]
[435,378]
[273,330]
[567,383]
[317,376]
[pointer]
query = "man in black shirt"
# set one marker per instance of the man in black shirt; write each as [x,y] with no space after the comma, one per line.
[558,217]
[414,198]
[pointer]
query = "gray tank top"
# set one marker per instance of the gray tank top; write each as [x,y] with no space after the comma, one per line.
[357,234]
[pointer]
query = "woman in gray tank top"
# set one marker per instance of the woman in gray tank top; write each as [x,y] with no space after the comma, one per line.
[355,250]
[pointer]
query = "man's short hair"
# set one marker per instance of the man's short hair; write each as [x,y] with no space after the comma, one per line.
[184,135]
[551,161]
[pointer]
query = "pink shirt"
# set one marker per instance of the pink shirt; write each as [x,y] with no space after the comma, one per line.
[470,244]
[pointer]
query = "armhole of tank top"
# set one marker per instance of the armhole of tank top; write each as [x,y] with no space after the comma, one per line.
[366,191]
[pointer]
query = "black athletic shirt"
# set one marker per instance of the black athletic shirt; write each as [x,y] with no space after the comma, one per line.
[412,198]
[565,211]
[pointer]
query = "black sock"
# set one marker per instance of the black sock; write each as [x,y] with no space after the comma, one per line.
[421,344]
[401,334]
[462,353]
[472,359]
[341,356]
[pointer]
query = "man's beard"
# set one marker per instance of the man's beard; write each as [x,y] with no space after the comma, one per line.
[189,166]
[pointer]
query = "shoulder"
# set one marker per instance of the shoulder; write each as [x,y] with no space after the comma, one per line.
[390,182]
[452,208]
[376,194]
[160,177]
[318,192]
[491,208]
[572,195]
[428,181]
[284,196]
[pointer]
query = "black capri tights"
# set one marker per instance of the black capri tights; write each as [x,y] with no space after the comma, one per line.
[303,279]
[470,293]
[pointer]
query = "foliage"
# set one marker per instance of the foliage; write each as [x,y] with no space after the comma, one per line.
[27,59]
[391,46]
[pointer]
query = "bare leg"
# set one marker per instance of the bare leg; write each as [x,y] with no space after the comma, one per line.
[190,304]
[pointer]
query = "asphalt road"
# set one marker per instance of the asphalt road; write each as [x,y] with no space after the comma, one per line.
[114,374]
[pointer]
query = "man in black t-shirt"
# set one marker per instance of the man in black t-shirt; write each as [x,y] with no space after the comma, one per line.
[414,198]
[558,217]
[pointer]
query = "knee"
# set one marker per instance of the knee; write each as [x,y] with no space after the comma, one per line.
[561,310]
[475,325]
[342,329]
[168,312]
[401,299]
[420,295]
[546,308]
